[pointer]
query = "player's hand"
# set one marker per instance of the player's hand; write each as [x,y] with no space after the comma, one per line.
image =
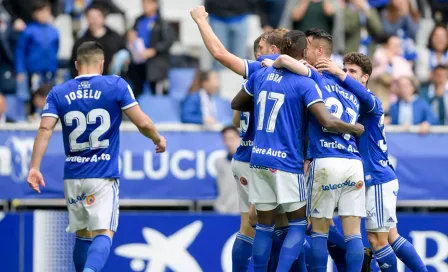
[329,66]
[267,63]
[161,145]
[35,180]
[304,62]
[359,129]
[198,14]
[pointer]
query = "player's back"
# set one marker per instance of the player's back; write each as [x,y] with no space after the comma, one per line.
[373,146]
[343,105]
[90,108]
[281,98]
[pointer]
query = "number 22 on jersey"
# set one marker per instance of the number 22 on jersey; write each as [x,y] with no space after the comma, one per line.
[336,109]
[81,127]
[278,99]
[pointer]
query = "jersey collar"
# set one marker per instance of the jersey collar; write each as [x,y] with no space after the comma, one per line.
[88,75]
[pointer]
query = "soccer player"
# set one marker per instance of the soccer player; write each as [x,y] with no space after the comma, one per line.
[336,173]
[381,180]
[90,108]
[281,99]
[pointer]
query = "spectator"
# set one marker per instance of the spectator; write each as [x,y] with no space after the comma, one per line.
[4,118]
[35,55]
[439,11]
[411,109]
[436,93]
[21,11]
[229,21]
[199,107]
[274,11]
[313,14]
[388,65]
[227,201]
[97,31]
[7,45]
[158,37]
[358,15]
[402,19]
[38,99]
[435,54]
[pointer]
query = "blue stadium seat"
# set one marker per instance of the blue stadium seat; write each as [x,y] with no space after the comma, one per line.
[16,108]
[160,108]
[180,80]
[225,112]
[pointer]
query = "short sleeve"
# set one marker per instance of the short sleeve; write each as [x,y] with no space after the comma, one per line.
[312,93]
[251,67]
[51,107]
[127,98]
[248,85]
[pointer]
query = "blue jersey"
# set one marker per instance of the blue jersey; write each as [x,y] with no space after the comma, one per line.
[281,99]
[372,143]
[90,111]
[247,129]
[341,104]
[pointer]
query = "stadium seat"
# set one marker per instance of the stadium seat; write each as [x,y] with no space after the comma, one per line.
[225,112]
[16,108]
[180,80]
[173,10]
[132,9]
[116,22]
[231,84]
[64,25]
[160,108]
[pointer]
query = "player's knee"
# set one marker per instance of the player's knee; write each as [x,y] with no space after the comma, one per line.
[106,232]
[320,225]
[252,216]
[393,235]
[377,240]
[84,233]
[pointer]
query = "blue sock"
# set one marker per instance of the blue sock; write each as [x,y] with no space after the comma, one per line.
[405,251]
[300,264]
[98,253]
[80,252]
[262,247]
[277,241]
[307,250]
[336,248]
[319,252]
[354,255]
[292,246]
[241,252]
[386,259]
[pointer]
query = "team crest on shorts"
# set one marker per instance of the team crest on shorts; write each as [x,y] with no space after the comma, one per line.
[272,170]
[359,184]
[90,200]
[243,181]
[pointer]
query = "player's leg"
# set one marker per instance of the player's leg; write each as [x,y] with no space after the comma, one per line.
[321,205]
[380,207]
[336,247]
[77,221]
[291,193]
[262,194]
[280,232]
[102,206]
[351,208]
[242,247]
[406,252]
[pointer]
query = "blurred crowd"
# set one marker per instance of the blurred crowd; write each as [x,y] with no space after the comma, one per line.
[407,41]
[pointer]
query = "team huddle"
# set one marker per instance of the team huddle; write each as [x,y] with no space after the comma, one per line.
[313,141]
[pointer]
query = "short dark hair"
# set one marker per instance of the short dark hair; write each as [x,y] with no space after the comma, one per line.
[43,90]
[322,35]
[39,5]
[204,76]
[440,66]
[360,60]
[294,44]
[257,45]
[97,6]
[438,25]
[86,52]
[229,128]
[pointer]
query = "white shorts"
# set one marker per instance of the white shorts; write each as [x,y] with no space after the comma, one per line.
[336,183]
[92,204]
[381,206]
[243,175]
[270,188]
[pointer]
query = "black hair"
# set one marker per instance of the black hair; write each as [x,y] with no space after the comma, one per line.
[39,5]
[320,34]
[229,128]
[87,50]
[294,44]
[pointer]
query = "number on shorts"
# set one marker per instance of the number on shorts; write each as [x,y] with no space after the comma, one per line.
[382,143]
[333,102]
[279,100]
[81,127]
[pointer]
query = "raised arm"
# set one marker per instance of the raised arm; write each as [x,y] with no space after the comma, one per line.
[146,127]
[35,178]
[293,65]
[328,121]
[214,45]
